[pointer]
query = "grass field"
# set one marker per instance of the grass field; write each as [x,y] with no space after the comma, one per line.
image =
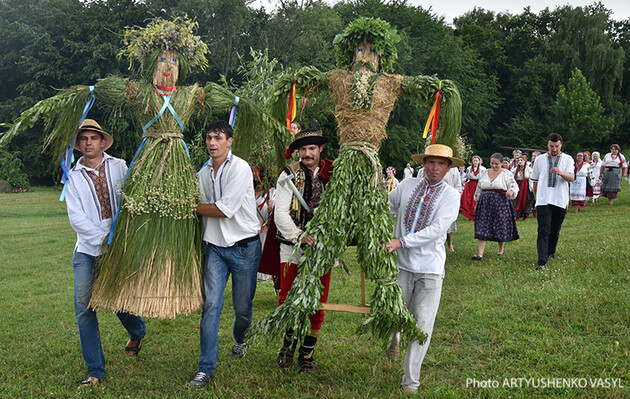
[499,319]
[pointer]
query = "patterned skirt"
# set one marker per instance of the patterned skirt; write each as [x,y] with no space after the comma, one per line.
[495,219]
[611,182]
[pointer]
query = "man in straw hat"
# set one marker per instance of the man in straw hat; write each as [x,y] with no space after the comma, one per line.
[91,199]
[426,207]
[309,177]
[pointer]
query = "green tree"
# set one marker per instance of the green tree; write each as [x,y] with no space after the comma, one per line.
[579,115]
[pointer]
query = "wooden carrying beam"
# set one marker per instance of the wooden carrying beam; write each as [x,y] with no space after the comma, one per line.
[340,307]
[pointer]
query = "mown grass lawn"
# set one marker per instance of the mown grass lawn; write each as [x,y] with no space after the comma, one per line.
[499,319]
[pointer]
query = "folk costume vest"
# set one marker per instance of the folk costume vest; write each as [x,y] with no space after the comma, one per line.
[310,188]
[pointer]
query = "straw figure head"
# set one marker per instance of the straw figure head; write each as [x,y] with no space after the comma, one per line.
[164,41]
[367,43]
[166,71]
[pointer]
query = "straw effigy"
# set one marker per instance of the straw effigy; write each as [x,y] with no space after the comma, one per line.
[354,206]
[153,265]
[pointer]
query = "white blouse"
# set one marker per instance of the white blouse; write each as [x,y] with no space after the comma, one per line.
[504,181]
[469,175]
[522,174]
[583,170]
[609,162]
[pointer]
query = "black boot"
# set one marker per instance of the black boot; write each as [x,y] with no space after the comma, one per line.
[287,352]
[305,357]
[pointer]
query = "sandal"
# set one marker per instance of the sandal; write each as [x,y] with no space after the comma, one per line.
[285,356]
[90,382]
[477,257]
[134,349]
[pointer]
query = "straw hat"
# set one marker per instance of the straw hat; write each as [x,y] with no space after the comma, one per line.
[307,137]
[438,150]
[91,124]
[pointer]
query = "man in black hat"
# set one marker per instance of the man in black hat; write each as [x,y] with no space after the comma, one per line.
[92,197]
[299,190]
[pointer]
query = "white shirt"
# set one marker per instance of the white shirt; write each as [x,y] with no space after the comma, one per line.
[471,176]
[232,191]
[424,251]
[84,208]
[595,168]
[452,178]
[617,162]
[504,181]
[408,172]
[558,195]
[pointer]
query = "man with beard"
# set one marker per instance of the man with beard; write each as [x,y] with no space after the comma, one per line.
[299,190]
[551,175]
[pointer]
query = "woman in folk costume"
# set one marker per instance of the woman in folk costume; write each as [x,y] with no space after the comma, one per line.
[355,204]
[390,180]
[577,188]
[613,169]
[153,265]
[524,202]
[494,216]
[596,177]
[467,207]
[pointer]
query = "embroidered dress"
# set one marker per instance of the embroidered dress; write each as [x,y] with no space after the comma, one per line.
[467,207]
[524,201]
[611,179]
[577,188]
[495,219]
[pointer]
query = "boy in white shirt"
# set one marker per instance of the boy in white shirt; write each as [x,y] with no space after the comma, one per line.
[91,199]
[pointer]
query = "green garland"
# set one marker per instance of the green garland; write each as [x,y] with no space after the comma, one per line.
[340,218]
[370,30]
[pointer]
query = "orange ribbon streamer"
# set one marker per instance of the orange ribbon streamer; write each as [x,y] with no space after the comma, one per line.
[292,106]
[434,117]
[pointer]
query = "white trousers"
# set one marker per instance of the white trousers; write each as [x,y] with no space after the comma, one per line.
[422,294]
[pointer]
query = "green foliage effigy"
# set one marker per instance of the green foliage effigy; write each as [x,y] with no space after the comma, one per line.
[352,208]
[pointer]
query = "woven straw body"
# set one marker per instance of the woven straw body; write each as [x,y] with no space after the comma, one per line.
[153,267]
[364,124]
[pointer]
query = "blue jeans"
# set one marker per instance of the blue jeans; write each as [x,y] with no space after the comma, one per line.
[83,265]
[242,263]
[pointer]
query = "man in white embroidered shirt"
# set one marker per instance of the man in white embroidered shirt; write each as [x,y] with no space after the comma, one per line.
[91,199]
[426,208]
[551,175]
[230,234]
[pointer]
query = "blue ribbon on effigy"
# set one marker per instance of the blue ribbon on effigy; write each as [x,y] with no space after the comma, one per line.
[166,105]
[68,157]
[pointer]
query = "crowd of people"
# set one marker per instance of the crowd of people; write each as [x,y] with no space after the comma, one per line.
[496,198]
[232,212]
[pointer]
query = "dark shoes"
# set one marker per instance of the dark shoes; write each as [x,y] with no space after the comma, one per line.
[307,365]
[200,380]
[477,257]
[285,356]
[133,350]
[238,350]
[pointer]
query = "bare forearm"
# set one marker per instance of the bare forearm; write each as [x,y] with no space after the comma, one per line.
[210,210]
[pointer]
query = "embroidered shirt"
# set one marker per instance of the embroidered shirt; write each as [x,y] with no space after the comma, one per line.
[558,195]
[423,250]
[102,191]
[85,206]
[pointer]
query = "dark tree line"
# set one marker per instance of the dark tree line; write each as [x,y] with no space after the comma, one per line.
[514,71]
